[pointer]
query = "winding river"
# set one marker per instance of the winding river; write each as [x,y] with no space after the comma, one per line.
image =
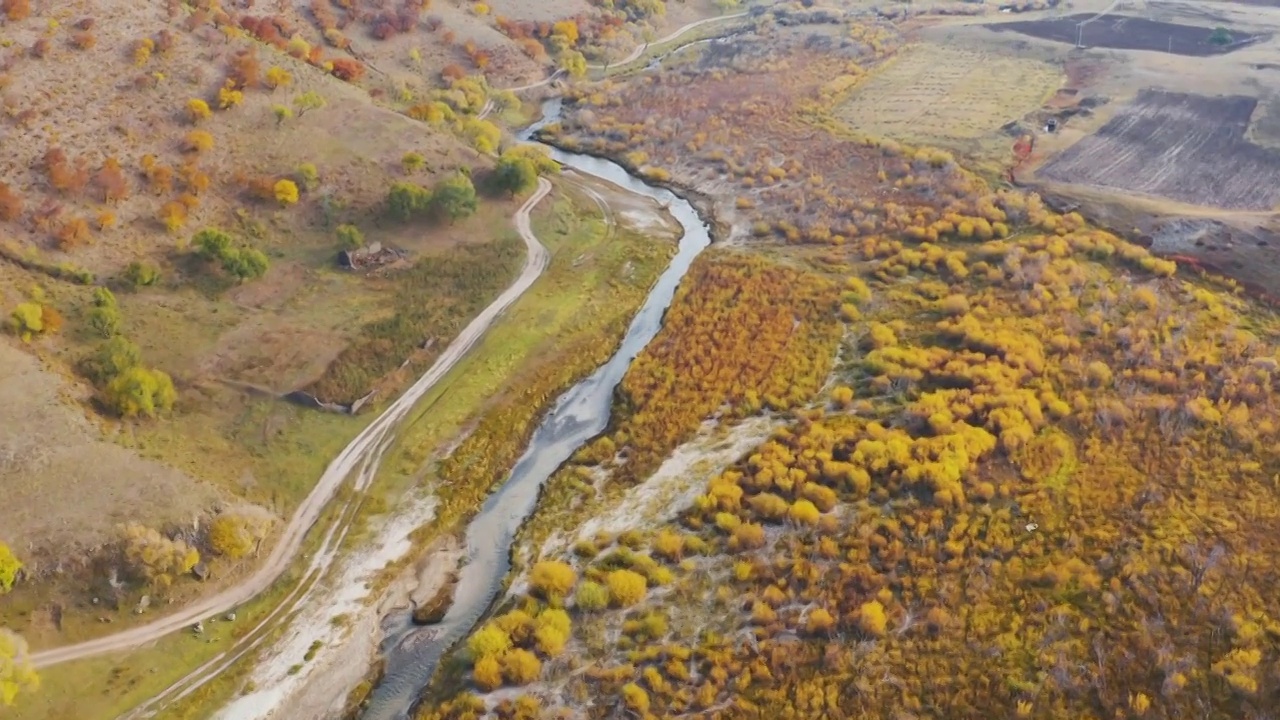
[579,415]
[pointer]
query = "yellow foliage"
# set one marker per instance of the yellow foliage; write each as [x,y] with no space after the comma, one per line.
[804,512]
[229,97]
[278,77]
[285,191]
[636,698]
[552,578]
[669,545]
[487,673]
[198,110]
[550,641]
[520,667]
[488,641]
[819,621]
[626,587]
[872,620]
[199,141]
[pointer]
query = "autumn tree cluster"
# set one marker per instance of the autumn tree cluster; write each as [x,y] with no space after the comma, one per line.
[1042,484]
[1040,461]
[742,335]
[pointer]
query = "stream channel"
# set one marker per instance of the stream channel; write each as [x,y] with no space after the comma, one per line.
[412,653]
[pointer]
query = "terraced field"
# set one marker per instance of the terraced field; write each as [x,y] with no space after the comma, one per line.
[946,96]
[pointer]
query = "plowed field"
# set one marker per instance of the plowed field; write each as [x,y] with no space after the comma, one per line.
[1190,148]
[1119,32]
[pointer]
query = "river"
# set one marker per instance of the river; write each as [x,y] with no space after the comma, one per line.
[579,415]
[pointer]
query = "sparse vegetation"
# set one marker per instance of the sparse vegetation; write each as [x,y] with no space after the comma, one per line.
[458,284]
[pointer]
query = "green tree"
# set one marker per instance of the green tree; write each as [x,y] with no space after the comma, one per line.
[455,197]
[246,263]
[140,391]
[310,100]
[17,674]
[9,567]
[114,356]
[142,274]
[406,200]
[308,176]
[1220,36]
[514,174]
[211,243]
[104,318]
[350,237]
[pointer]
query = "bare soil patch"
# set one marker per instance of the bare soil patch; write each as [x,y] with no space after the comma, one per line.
[1183,147]
[1118,32]
[65,487]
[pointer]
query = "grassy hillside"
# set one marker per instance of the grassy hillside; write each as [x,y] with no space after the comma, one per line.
[177,183]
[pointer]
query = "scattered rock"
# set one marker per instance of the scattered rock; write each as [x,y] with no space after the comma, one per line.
[433,610]
[371,256]
[231,617]
[143,604]
[201,571]
[198,628]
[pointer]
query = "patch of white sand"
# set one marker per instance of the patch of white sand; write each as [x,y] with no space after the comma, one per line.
[345,649]
[681,478]
[643,220]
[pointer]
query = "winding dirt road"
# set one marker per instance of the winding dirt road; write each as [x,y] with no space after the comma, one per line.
[362,454]
[635,54]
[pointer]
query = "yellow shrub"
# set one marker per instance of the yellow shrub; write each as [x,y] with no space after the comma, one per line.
[552,578]
[626,587]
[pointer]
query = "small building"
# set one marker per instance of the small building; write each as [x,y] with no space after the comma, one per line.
[370,256]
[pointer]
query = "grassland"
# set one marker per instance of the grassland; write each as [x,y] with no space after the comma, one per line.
[948,96]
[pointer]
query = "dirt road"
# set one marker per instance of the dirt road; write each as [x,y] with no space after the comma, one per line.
[636,53]
[362,454]
[640,50]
